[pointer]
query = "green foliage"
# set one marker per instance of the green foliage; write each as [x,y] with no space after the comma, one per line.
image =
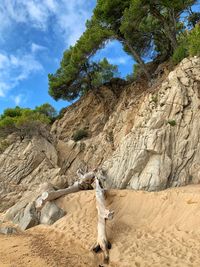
[146,29]
[194,41]
[12,112]
[24,121]
[180,52]
[79,134]
[189,45]
[172,122]
[104,73]
[92,75]
[154,99]
[136,73]
[47,110]
[193,18]
[66,82]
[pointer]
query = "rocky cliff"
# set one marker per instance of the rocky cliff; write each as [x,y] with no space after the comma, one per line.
[141,138]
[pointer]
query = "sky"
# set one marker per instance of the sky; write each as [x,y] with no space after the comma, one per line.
[33,37]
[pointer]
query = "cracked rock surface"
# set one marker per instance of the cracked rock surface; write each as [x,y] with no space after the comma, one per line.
[141,138]
[162,149]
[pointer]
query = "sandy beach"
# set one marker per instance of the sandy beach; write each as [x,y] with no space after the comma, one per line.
[149,229]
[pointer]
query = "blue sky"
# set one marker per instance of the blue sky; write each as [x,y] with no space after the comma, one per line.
[33,36]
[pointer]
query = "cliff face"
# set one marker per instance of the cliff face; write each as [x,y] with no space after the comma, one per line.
[141,138]
[162,149]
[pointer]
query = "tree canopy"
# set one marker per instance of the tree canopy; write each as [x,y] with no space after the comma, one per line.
[146,29]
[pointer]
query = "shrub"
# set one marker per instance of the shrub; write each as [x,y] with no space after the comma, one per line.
[79,134]
[194,41]
[12,112]
[47,110]
[154,99]
[189,45]
[23,121]
[172,122]
[180,53]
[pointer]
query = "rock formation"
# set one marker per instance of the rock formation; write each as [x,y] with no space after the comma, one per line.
[141,138]
[162,149]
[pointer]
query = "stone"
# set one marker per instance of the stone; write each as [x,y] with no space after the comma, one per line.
[8,230]
[50,213]
[129,137]
[29,217]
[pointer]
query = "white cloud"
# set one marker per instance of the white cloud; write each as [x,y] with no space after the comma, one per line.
[14,69]
[119,60]
[72,20]
[37,48]
[18,99]
[68,16]
[65,17]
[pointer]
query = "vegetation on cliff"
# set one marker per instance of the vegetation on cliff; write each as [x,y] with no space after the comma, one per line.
[25,121]
[148,30]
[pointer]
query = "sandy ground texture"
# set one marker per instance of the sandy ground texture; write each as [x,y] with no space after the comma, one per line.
[149,229]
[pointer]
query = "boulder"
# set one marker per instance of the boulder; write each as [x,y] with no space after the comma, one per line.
[28,218]
[50,213]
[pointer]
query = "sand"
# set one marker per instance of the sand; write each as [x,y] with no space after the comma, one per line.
[149,229]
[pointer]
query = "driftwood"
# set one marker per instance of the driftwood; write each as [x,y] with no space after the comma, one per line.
[84,183]
[103,215]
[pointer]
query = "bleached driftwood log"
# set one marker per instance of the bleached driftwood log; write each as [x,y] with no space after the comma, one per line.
[84,183]
[103,215]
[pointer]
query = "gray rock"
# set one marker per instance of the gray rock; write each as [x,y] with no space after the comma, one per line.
[50,213]
[162,148]
[8,230]
[142,139]
[29,217]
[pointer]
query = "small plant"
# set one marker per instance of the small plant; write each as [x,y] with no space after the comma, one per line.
[189,45]
[180,53]
[194,41]
[172,122]
[3,145]
[79,134]
[154,99]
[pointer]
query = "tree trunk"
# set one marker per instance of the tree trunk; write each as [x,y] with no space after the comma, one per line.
[103,214]
[139,60]
[170,33]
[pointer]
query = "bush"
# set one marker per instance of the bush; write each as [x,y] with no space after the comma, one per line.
[194,41]
[47,110]
[79,134]
[12,112]
[23,121]
[180,53]
[172,122]
[189,45]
